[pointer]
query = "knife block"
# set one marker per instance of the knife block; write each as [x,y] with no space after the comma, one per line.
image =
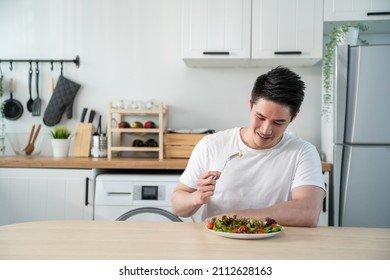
[82,142]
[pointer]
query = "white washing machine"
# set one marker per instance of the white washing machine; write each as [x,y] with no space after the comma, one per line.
[116,194]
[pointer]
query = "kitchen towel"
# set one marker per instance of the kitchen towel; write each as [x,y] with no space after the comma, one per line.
[61,101]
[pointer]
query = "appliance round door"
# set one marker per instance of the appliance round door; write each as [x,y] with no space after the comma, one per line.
[112,213]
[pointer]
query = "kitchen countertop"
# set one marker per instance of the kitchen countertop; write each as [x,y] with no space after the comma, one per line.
[91,163]
[102,163]
[188,241]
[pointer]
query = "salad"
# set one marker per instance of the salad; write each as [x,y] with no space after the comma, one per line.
[243,225]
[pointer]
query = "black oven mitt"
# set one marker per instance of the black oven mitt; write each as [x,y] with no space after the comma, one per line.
[61,100]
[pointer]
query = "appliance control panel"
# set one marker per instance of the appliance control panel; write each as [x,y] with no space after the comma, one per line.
[149,192]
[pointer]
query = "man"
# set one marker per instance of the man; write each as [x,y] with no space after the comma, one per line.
[278,176]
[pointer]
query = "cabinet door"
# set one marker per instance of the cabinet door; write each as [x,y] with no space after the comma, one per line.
[216,30]
[356,10]
[44,194]
[287,32]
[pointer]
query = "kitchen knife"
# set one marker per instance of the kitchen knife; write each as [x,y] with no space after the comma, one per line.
[84,112]
[91,116]
[99,128]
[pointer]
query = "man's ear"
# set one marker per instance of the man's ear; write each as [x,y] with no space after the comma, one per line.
[250,103]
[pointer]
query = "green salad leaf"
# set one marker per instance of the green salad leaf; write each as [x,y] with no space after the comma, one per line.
[244,225]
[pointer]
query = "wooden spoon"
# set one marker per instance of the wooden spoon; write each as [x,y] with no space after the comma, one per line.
[31,135]
[31,147]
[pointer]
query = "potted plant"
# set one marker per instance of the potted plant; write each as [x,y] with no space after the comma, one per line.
[61,141]
[338,35]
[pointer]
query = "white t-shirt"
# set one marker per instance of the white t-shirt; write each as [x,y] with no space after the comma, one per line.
[258,179]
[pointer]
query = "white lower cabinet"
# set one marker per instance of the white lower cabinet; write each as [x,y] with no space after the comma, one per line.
[33,194]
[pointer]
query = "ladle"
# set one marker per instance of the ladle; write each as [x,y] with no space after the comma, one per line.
[30,102]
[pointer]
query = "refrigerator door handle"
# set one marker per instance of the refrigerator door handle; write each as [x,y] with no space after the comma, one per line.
[324,201]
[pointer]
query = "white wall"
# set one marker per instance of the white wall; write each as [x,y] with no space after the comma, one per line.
[131,49]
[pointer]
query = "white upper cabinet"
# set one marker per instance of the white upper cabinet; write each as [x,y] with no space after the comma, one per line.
[287,32]
[252,32]
[356,10]
[216,31]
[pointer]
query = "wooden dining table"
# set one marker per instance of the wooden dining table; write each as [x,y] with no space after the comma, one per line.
[118,240]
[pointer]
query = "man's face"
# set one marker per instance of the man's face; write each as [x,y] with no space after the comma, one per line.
[268,121]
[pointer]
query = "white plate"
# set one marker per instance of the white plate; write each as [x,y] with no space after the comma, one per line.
[245,235]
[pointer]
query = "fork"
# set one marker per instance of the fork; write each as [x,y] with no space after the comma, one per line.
[239,154]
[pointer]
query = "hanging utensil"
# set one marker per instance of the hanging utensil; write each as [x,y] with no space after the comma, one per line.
[37,102]
[30,102]
[1,82]
[13,109]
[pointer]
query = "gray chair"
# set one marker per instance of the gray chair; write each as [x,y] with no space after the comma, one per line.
[152,210]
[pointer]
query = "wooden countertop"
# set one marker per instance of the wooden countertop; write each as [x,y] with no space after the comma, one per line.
[102,163]
[98,163]
[186,241]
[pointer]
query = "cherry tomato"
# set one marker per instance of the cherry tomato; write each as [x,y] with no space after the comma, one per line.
[275,228]
[210,225]
[260,230]
[243,228]
[235,230]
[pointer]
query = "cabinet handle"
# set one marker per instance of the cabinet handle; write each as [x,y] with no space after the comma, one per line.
[378,13]
[86,190]
[291,52]
[324,201]
[216,53]
[120,193]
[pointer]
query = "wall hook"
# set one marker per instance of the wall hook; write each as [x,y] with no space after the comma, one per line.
[76,61]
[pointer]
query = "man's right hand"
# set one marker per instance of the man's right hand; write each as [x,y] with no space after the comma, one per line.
[206,185]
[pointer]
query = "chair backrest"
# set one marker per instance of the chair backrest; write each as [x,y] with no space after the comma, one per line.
[151,210]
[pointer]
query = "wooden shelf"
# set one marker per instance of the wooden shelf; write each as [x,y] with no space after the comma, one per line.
[136,130]
[135,149]
[120,133]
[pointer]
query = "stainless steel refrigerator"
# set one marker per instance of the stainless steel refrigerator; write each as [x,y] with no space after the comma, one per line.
[361,167]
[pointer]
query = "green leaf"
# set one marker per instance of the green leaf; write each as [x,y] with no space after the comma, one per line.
[60,132]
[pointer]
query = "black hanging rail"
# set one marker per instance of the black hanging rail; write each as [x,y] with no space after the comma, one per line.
[11,61]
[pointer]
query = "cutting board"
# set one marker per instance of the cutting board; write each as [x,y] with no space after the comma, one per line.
[82,142]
